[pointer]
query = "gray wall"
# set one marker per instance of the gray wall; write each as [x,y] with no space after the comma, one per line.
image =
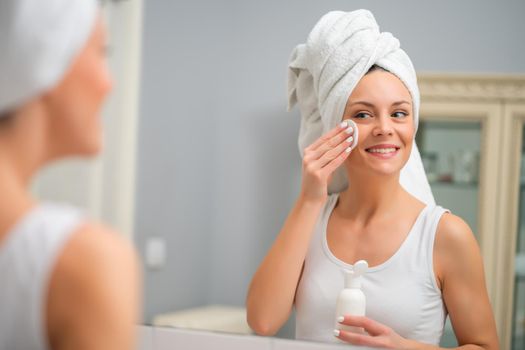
[218,163]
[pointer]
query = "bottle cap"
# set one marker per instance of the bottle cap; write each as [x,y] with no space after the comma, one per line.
[353,277]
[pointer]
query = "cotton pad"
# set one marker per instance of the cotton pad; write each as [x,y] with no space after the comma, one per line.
[355,135]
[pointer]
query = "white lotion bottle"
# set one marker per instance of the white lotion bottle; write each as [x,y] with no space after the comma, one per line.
[352,300]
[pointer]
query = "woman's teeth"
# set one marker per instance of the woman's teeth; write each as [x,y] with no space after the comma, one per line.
[381,150]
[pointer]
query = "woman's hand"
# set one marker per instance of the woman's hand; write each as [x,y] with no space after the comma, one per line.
[322,158]
[375,335]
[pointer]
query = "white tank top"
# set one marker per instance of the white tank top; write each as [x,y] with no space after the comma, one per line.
[27,256]
[401,293]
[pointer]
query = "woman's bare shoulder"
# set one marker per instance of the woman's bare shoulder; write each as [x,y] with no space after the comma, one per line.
[453,231]
[94,285]
[456,251]
[94,240]
[96,256]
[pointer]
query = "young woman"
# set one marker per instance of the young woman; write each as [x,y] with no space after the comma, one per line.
[65,282]
[424,261]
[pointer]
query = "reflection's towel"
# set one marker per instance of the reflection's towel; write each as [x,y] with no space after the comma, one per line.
[323,72]
[38,41]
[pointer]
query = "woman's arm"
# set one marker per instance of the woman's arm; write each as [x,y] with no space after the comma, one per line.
[272,290]
[93,300]
[459,271]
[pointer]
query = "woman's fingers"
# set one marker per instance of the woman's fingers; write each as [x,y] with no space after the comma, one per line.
[371,337]
[358,339]
[370,326]
[345,136]
[332,165]
[330,139]
[375,334]
[340,151]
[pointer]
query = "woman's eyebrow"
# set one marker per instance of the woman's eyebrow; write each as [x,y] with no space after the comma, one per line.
[400,103]
[368,104]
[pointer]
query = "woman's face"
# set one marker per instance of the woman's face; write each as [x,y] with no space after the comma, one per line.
[74,104]
[381,106]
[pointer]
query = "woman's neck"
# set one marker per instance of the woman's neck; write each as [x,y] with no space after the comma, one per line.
[22,153]
[24,144]
[16,199]
[368,195]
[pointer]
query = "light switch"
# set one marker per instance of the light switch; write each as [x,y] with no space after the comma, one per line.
[155,253]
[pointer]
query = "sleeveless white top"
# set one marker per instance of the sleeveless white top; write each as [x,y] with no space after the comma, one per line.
[401,293]
[27,257]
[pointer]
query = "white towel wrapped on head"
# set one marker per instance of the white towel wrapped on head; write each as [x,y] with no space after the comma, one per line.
[39,40]
[323,72]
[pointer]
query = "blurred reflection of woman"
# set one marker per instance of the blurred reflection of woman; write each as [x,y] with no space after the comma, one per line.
[65,282]
[370,202]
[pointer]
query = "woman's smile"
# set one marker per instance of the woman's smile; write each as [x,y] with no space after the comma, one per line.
[383,151]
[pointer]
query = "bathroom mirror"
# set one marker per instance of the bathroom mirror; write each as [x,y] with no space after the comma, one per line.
[202,164]
[218,164]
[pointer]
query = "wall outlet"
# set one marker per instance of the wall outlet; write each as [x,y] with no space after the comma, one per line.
[155,253]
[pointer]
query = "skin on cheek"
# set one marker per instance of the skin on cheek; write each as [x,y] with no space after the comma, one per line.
[77,101]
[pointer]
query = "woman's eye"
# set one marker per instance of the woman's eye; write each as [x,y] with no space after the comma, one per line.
[362,115]
[399,115]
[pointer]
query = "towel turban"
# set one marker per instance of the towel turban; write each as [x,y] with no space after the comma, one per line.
[39,40]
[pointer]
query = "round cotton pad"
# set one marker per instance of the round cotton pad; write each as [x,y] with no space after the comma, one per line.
[355,135]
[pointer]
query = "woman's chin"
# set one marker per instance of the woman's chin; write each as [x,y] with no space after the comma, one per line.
[92,150]
[385,170]
[87,148]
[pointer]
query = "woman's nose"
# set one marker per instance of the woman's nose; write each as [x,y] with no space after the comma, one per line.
[383,126]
